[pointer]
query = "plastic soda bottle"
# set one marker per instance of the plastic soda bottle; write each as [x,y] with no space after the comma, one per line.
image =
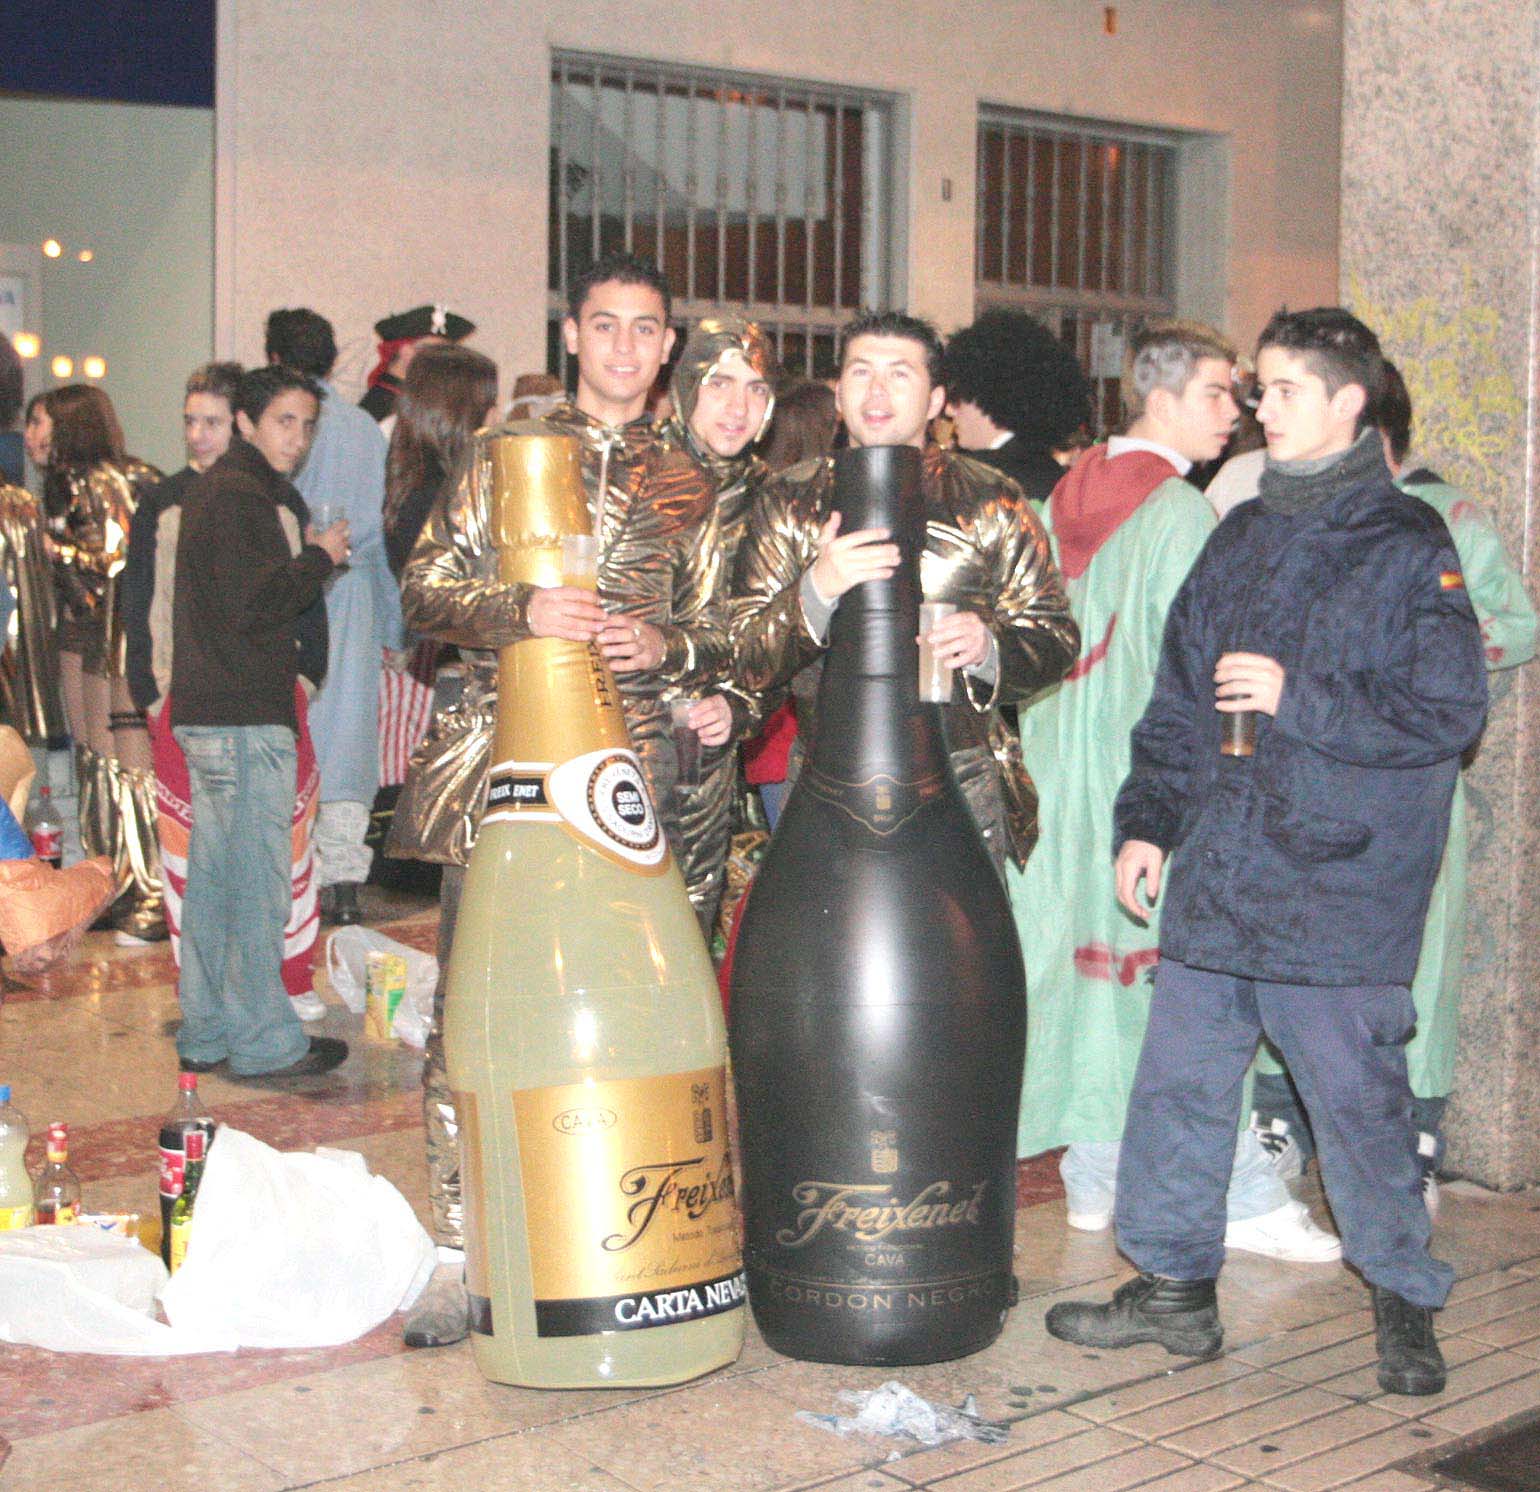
[46,830]
[15,1184]
[57,1196]
[182,1208]
[187,1114]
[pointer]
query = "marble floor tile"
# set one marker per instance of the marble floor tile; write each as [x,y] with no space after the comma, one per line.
[506,1463]
[1222,1401]
[1181,1380]
[1262,1422]
[153,1449]
[394,1408]
[932,1467]
[694,1439]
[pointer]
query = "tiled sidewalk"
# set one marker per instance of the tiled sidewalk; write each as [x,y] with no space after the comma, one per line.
[1293,1404]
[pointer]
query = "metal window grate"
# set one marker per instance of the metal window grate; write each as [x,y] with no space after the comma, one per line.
[766,195]
[1076,224]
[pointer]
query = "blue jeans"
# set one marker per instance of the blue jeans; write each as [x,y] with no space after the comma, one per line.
[1345,1046]
[1089,1169]
[238,895]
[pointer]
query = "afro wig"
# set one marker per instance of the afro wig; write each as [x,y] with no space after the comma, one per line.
[1021,375]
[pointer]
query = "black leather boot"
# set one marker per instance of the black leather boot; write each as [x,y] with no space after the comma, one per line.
[345,908]
[1410,1361]
[1180,1315]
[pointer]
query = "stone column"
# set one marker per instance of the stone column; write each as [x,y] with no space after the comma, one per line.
[1440,213]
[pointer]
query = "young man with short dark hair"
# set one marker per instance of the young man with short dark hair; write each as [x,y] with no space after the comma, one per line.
[1126,526]
[656,618]
[1012,633]
[233,715]
[1335,612]
[149,578]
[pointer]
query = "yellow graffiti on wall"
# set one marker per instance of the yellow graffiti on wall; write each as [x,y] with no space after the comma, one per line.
[1468,414]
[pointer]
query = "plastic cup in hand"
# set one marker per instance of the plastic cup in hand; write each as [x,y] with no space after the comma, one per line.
[323,515]
[686,743]
[580,560]
[1238,733]
[935,676]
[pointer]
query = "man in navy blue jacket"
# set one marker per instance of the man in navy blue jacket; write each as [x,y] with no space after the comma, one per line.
[1334,611]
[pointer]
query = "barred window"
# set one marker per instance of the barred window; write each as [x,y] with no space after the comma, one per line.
[762,194]
[1076,224]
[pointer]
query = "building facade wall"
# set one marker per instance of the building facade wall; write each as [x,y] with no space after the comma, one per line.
[376,155]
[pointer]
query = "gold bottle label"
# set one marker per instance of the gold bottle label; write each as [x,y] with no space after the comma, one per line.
[599,797]
[629,1203]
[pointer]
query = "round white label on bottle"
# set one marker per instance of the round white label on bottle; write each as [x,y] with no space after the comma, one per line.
[602,796]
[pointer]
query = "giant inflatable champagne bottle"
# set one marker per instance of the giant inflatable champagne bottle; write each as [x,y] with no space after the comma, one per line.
[878,1015]
[583,1032]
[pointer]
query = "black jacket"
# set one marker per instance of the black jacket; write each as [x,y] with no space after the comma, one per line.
[239,592]
[1032,469]
[153,528]
[1312,861]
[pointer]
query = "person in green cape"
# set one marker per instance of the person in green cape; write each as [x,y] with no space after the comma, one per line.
[1125,529]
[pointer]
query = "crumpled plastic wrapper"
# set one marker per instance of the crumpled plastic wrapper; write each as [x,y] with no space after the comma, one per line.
[898,1411]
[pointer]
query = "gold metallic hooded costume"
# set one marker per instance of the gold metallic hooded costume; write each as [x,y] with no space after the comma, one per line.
[705,811]
[29,668]
[653,508]
[986,552]
[112,749]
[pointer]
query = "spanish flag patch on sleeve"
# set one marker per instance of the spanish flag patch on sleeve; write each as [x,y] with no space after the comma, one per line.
[1451,580]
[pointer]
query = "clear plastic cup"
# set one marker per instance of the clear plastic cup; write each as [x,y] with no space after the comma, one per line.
[580,560]
[935,677]
[686,743]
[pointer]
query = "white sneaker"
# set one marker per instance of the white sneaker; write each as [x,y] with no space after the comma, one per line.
[309,1006]
[1287,1234]
[1090,1222]
[1427,1151]
[1282,1148]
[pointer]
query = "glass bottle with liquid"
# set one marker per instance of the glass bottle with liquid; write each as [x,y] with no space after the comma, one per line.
[582,1030]
[57,1194]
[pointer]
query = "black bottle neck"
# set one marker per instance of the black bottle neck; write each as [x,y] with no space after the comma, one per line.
[871,721]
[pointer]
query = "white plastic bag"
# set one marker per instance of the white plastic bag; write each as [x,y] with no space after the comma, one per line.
[295,1250]
[83,1290]
[347,956]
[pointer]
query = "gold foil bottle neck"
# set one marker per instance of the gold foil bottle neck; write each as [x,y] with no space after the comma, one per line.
[537,496]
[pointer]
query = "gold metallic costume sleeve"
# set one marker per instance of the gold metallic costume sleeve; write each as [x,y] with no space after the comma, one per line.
[658,563]
[29,670]
[90,555]
[986,552]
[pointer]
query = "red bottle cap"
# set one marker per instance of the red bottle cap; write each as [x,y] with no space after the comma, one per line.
[187,1082]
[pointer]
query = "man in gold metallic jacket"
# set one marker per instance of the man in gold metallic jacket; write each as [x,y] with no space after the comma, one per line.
[722,391]
[658,619]
[986,551]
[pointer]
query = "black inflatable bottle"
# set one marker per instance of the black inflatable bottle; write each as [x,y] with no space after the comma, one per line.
[878,1016]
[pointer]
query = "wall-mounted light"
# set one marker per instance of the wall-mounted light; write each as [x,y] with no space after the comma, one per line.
[52,247]
[27,344]
[85,256]
[61,366]
[94,367]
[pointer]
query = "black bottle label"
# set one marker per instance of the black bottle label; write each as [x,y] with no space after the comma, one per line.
[881,803]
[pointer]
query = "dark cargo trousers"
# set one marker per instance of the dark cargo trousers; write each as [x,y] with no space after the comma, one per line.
[1345,1045]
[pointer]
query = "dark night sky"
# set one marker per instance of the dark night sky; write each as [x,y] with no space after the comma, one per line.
[133,51]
